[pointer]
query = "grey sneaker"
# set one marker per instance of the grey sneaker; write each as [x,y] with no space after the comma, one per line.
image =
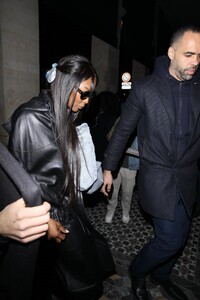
[126,219]
[109,217]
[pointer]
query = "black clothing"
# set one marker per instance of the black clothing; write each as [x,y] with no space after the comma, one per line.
[17,260]
[105,122]
[37,149]
[168,156]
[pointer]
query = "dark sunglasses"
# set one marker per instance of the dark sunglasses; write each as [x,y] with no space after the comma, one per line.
[85,95]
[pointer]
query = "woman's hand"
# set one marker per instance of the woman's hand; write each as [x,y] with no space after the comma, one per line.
[22,223]
[107,182]
[56,231]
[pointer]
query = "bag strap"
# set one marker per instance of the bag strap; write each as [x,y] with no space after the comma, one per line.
[18,264]
[27,187]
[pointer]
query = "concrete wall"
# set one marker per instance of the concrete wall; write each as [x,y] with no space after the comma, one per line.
[105,59]
[19,55]
[138,70]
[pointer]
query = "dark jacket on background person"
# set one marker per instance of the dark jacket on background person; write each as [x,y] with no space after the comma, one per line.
[108,113]
[168,153]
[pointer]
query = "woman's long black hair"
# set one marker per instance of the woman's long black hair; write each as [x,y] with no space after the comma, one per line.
[70,72]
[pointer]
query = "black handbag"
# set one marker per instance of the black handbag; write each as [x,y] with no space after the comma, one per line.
[83,259]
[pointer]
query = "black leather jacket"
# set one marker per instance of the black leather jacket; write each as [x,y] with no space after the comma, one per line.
[33,142]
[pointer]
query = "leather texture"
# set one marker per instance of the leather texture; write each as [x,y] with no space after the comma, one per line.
[40,148]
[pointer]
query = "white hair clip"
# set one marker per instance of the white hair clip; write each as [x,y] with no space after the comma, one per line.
[51,74]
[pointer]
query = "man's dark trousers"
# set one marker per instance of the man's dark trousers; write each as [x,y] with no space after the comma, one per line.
[159,256]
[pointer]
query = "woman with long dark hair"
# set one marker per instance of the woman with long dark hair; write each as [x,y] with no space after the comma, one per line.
[47,137]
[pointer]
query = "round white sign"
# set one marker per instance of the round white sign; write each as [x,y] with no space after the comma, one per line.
[126,76]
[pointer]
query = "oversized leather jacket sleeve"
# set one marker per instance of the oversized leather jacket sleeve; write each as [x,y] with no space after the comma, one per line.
[32,141]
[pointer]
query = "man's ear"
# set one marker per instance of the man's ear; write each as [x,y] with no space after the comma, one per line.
[171,53]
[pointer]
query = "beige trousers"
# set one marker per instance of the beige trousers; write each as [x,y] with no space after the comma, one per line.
[126,181]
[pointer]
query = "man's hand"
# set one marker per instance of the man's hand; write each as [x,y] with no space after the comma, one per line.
[107,182]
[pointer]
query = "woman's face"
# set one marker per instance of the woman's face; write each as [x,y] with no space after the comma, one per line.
[81,97]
